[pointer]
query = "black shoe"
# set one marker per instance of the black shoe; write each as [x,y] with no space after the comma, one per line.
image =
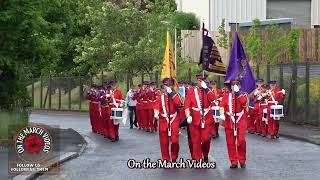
[259,134]
[113,140]
[234,166]
[272,137]
[243,165]
[135,124]
[131,127]
[217,135]
[205,159]
[277,136]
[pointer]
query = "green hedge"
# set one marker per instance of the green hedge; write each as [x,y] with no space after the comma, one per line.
[11,123]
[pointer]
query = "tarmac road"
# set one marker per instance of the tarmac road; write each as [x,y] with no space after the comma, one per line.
[266,159]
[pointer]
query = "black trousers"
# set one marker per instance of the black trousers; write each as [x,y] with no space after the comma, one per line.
[132,109]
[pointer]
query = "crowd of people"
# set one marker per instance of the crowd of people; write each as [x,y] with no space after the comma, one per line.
[167,110]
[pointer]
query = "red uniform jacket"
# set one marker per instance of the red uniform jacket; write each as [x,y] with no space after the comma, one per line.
[218,91]
[144,99]
[205,101]
[174,106]
[153,94]
[241,107]
[117,97]
[278,95]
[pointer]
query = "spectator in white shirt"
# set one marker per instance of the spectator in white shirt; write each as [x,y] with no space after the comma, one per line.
[132,102]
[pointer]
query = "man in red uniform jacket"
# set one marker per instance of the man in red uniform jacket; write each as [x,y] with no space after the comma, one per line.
[254,120]
[90,98]
[114,102]
[218,94]
[105,110]
[199,116]
[233,107]
[276,97]
[263,100]
[145,106]
[95,109]
[153,94]
[165,110]
[138,107]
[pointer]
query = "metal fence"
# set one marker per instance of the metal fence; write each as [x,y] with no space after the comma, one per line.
[59,93]
[302,84]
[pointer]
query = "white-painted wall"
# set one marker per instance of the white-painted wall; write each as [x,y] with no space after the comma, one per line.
[213,11]
[315,12]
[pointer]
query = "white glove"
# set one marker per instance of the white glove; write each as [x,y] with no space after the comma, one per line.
[222,117]
[108,95]
[236,88]
[264,94]
[259,98]
[220,98]
[189,119]
[156,116]
[255,92]
[283,92]
[169,90]
[204,85]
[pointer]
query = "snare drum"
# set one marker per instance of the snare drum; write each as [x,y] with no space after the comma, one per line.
[216,113]
[116,113]
[276,111]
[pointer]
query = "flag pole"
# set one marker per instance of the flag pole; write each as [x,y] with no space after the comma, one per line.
[202,103]
[168,114]
[175,48]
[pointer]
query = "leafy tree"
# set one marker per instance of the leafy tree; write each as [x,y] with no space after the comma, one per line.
[223,38]
[292,44]
[273,43]
[253,41]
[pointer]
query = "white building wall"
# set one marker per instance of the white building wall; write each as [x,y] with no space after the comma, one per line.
[236,11]
[199,7]
[213,11]
[315,12]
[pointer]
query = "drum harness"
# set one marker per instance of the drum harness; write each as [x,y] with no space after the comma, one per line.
[232,115]
[165,115]
[202,111]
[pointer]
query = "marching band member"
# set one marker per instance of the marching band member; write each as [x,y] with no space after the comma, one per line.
[254,121]
[153,93]
[139,107]
[95,109]
[105,110]
[114,102]
[144,100]
[218,94]
[181,113]
[165,110]
[99,121]
[263,99]
[276,97]
[90,98]
[233,107]
[199,117]
[184,123]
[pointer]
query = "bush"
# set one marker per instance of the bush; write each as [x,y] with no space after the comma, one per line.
[314,92]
